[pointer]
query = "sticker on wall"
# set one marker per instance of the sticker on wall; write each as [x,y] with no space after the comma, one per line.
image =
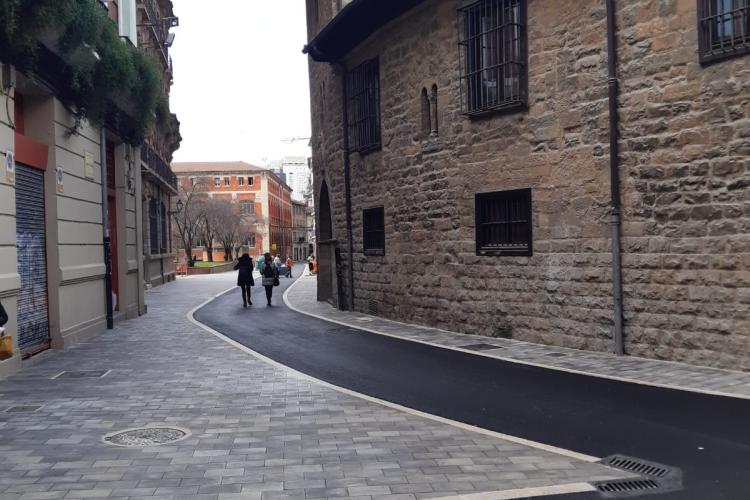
[10,167]
[59,175]
[88,164]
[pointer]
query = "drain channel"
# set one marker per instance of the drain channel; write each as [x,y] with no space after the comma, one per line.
[635,486]
[479,347]
[636,465]
[654,478]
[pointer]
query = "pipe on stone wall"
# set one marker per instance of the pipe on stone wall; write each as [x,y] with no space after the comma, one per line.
[347,184]
[614,176]
[105,224]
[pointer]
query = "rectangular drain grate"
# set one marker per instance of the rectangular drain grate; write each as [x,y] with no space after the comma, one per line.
[479,347]
[556,355]
[22,409]
[627,486]
[82,374]
[637,465]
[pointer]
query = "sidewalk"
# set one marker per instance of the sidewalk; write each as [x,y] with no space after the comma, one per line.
[256,431]
[302,298]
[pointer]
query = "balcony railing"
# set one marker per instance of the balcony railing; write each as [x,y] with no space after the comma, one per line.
[160,27]
[158,167]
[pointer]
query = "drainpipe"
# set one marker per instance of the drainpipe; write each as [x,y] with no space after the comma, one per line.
[105,225]
[347,183]
[614,176]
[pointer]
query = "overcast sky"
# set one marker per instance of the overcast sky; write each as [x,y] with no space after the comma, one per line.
[240,79]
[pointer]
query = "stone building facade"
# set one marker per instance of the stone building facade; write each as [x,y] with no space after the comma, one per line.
[684,170]
[258,193]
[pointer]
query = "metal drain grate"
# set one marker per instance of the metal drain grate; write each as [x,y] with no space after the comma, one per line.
[479,347]
[82,374]
[556,355]
[22,409]
[636,465]
[624,486]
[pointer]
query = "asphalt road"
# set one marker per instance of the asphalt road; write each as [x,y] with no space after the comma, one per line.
[707,437]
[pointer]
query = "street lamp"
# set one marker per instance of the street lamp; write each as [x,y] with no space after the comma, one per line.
[179,205]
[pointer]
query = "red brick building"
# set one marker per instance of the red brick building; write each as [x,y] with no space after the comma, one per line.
[256,191]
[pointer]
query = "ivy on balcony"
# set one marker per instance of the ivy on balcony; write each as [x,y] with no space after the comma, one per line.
[73,46]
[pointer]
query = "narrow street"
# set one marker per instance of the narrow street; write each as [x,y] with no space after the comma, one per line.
[707,437]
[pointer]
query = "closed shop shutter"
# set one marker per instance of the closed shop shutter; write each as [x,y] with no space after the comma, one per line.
[33,325]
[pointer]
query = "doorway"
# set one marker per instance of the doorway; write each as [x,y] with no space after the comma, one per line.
[326,249]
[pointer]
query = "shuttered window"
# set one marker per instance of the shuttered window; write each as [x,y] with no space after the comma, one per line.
[503,223]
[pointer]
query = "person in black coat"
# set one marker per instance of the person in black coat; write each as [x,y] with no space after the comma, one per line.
[245,277]
[270,276]
[3,315]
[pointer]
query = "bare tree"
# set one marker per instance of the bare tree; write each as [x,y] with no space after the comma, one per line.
[213,213]
[229,225]
[188,220]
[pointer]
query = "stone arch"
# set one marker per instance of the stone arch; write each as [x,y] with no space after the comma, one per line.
[325,221]
[327,279]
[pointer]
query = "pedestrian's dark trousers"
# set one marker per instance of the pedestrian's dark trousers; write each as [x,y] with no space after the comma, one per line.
[246,297]
[269,292]
[309,264]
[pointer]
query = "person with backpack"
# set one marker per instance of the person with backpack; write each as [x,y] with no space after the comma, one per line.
[270,274]
[245,277]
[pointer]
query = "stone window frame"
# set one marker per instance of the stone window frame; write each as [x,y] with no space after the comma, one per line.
[715,46]
[363,106]
[507,215]
[477,64]
[373,231]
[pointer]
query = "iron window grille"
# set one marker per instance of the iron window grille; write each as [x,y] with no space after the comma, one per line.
[163,228]
[373,231]
[493,56]
[723,29]
[363,106]
[503,223]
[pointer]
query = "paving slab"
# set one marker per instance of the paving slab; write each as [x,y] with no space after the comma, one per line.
[254,430]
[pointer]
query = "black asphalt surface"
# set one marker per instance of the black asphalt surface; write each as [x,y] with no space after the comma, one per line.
[707,437]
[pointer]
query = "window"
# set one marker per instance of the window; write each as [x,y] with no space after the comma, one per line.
[493,53]
[373,227]
[153,226]
[217,182]
[724,28]
[226,181]
[251,240]
[363,107]
[249,181]
[192,181]
[503,223]
[241,181]
[163,214]
[246,207]
[425,105]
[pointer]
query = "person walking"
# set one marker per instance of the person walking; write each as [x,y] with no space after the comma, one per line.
[289,264]
[259,262]
[270,274]
[277,261]
[245,278]
[310,259]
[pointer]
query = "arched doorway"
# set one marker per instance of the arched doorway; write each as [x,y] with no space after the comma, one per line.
[326,248]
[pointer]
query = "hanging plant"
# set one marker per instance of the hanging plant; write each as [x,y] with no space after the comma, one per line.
[107,80]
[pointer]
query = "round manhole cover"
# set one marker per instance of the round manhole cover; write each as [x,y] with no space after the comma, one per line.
[146,436]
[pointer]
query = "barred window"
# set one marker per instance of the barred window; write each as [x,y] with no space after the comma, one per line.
[503,222]
[493,56]
[363,106]
[164,224]
[724,28]
[373,228]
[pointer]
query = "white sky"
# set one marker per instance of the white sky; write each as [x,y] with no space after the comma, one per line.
[240,80]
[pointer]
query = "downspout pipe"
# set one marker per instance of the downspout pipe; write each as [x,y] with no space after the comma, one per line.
[614,176]
[105,224]
[347,183]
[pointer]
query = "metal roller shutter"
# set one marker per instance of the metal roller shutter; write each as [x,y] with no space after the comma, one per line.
[33,325]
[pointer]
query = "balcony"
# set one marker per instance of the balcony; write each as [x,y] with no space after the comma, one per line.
[160,27]
[158,168]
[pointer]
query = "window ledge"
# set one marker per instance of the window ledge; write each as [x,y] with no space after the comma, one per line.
[375,253]
[504,253]
[715,56]
[514,107]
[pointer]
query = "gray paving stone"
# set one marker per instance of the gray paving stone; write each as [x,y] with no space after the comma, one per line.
[257,432]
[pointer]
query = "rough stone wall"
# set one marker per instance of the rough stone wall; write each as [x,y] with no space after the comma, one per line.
[686,171]
[683,300]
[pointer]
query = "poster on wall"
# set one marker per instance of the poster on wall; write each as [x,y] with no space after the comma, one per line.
[59,175]
[88,163]
[10,167]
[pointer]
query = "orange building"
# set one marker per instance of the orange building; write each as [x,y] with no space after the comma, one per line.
[257,193]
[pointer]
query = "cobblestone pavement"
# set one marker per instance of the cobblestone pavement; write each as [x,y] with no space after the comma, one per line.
[256,431]
[301,297]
